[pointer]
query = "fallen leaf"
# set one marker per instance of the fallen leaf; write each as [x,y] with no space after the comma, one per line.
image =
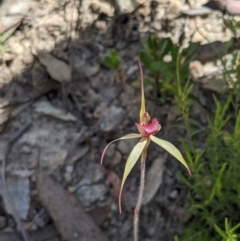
[154,178]
[57,69]
[44,107]
[73,223]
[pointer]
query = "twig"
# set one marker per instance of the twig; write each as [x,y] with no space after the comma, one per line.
[6,194]
[140,195]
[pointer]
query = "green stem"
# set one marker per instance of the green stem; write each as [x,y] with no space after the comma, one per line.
[140,195]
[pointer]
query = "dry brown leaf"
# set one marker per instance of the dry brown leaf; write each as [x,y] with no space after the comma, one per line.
[57,69]
[69,217]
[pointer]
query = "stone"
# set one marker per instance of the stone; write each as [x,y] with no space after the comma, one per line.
[113,118]
[20,192]
[87,195]
[102,7]
[196,69]
[116,158]
[101,25]
[173,194]
[90,71]
[124,147]
[90,174]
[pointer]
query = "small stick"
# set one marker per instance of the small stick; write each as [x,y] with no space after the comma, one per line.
[140,195]
[6,194]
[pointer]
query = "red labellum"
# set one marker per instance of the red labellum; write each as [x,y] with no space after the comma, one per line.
[149,128]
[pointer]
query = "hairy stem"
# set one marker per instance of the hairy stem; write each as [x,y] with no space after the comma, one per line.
[140,195]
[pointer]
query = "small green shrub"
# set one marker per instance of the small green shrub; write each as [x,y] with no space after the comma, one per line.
[214,185]
[160,59]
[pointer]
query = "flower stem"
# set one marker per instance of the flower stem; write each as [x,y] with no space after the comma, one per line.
[140,195]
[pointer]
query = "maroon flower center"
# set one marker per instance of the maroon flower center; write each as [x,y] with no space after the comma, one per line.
[149,128]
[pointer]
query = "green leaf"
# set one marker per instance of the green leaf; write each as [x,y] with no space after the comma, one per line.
[171,149]
[145,59]
[166,46]
[108,62]
[152,43]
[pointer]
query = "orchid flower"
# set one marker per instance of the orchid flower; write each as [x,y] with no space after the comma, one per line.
[147,129]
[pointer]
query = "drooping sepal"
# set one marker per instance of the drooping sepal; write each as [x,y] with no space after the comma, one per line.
[131,161]
[169,147]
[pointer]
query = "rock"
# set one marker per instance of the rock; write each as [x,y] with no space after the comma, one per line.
[90,71]
[100,110]
[87,195]
[116,158]
[19,191]
[79,153]
[144,11]
[199,35]
[154,178]
[196,69]
[90,174]
[58,159]
[111,150]
[131,70]
[69,168]
[26,149]
[173,194]
[113,118]
[101,25]
[125,146]
[102,7]
[125,6]
[44,107]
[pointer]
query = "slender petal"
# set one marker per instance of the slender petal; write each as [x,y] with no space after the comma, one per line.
[131,161]
[171,149]
[129,136]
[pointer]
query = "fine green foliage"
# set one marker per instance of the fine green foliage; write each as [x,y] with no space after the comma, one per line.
[215,163]
[160,59]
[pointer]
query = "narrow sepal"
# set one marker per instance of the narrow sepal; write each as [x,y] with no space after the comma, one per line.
[131,161]
[129,136]
[169,147]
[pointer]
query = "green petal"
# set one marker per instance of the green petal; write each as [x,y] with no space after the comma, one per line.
[171,149]
[130,136]
[131,161]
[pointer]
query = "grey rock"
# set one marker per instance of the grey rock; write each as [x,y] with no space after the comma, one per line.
[19,191]
[90,71]
[90,194]
[125,146]
[91,174]
[113,118]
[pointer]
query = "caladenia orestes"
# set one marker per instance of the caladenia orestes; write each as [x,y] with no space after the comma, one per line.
[147,129]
